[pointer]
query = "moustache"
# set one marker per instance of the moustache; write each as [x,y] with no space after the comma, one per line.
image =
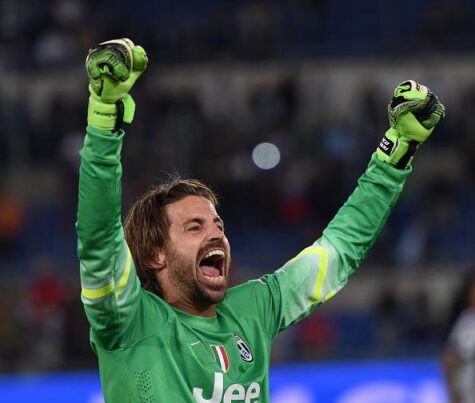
[212,245]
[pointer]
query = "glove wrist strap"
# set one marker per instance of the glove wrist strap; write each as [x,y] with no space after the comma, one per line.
[110,117]
[396,150]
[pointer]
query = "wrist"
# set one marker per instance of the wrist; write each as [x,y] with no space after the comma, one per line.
[396,149]
[110,116]
[102,116]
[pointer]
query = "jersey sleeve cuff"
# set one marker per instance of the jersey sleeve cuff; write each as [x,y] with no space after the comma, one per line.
[102,146]
[388,174]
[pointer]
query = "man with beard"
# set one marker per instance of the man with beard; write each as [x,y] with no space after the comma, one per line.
[163,323]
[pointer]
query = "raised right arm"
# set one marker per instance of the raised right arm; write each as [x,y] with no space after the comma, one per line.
[110,287]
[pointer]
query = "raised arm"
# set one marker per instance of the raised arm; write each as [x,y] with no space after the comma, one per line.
[322,269]
[413,113]
[110,287]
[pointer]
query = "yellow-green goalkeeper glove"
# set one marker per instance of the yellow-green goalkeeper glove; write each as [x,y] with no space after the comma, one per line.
[112,68]
[413,112]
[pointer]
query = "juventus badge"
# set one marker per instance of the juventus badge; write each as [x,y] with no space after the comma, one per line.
[244,350]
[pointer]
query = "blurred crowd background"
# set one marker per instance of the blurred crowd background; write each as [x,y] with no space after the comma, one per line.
[311,77]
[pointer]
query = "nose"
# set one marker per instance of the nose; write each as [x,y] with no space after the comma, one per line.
[216,233]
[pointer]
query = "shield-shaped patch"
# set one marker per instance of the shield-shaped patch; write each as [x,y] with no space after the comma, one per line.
[244,350]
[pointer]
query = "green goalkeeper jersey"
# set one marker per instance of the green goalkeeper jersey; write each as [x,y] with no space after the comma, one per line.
[151,352]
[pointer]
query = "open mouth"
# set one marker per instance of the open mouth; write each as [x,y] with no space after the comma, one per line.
[212,264]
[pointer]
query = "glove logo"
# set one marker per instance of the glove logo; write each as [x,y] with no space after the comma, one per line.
[386,145]
[244,350]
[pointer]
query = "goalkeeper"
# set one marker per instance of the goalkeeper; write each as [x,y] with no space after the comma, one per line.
[164,325]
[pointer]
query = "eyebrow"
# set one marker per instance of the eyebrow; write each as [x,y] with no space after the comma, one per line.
[200,220]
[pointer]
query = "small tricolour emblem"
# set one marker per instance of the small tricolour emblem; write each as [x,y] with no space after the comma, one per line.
[243,348]
[221,357]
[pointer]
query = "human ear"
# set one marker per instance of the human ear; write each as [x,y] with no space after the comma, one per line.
[159,260]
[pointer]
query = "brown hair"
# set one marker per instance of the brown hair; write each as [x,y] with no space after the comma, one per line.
[146,225]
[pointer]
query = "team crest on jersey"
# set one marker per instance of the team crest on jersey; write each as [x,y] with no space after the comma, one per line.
[243,348]
[221,357]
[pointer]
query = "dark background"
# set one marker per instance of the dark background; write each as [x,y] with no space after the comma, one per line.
[311,77]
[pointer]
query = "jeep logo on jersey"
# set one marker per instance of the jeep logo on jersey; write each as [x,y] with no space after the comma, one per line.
[244,350]
[233,393]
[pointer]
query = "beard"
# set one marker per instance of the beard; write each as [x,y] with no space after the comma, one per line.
[184,276]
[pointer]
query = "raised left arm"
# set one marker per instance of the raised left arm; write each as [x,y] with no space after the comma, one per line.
[322,269]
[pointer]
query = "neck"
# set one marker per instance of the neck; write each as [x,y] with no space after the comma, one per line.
[182,302]
[180,299]
[192,309]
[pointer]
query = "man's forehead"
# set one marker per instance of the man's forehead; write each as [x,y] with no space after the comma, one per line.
[189,207]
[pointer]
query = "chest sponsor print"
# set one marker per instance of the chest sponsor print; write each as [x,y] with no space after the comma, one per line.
[244,350]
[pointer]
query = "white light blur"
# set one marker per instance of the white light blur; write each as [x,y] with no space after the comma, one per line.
[266,155]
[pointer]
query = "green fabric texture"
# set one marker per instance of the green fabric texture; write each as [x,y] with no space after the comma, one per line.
[151,352]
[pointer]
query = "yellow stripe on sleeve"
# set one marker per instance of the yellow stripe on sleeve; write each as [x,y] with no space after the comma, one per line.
[322,254]
[98,292]
[125,275]
[331,293]
[307,251]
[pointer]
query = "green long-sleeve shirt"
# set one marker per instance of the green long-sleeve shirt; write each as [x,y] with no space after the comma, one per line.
[151,352]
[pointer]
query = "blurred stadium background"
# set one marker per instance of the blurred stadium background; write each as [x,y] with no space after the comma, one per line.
[312,78]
